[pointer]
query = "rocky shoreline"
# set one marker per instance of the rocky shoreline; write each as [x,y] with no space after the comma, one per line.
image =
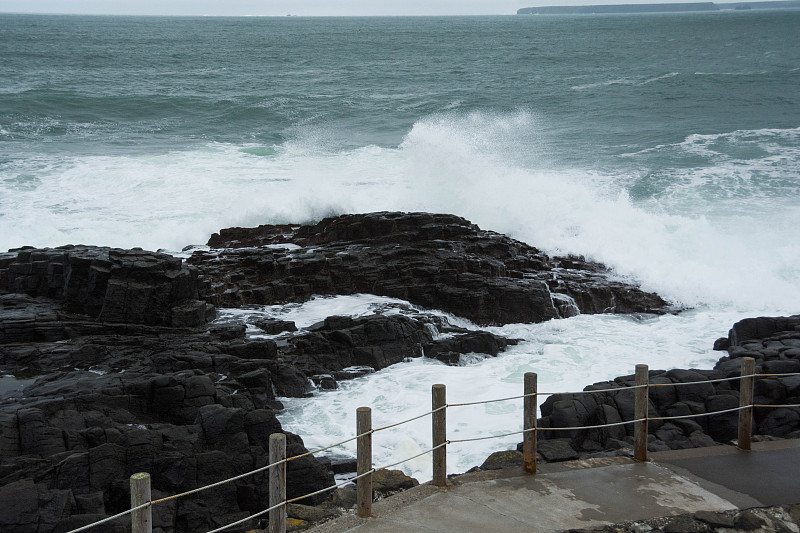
[133,373]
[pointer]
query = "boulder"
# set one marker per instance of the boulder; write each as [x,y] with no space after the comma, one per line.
[387,482]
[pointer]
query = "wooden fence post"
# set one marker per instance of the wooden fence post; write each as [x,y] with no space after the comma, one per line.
[640,413]
[364,461]
[529,423]
[277,483]
[142,519]
[746,400]
[439,430]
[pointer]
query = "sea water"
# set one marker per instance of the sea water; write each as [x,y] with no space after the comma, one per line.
[666,146]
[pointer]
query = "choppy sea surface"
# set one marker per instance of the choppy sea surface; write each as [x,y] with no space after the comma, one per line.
[666,146]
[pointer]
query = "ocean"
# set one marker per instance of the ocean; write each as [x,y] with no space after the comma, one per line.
[666,146]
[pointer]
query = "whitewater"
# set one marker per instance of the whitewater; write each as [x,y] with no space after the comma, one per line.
[672,156]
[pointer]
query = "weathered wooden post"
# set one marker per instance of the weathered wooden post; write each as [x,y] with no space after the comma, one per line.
[640,413]
[746,400]
[364,461]
[141,519]
[529,423]
[439,427]
[277,483]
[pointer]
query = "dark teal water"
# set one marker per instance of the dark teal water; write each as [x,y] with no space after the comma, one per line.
[601,84]
[640,140]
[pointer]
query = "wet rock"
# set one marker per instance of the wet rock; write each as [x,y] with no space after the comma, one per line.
[748,521]
[504,459]
[554,451]
[345,497]
[109,285]
[435,261]
[273,326]
[696,392]
[310,514]
[387,482]
[682,524]
[714,519]
[23,516]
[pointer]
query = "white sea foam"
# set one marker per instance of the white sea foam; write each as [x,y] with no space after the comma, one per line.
[566,355]
[704,239]
[719,235]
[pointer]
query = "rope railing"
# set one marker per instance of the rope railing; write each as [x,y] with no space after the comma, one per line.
[286,502]
[465,404]
[595,391]
[682,383]
[596,426]
[695,415]
[322,491]
[423,415]
[246,474]
[438,412]
[488,437]
[110,518]
[413,456]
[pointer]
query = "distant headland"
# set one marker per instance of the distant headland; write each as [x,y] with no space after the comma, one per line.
[656,8]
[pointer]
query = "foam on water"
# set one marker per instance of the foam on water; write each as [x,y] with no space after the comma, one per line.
[566,355]
[698,233]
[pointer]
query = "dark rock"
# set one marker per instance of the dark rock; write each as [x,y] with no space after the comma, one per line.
[748,521]
[722,344]
[722,427]
[80,520]
[556,450]
[273,326]
[436,261]
[386,482]
[345,497]
[226,332]
[779,422]
[504,459]
[760,328]
[715,519]
[682,524]
[23,515]
[691,393]
[110,285]
[306,475]
[90,503]
[344,466]
[310,514]
[324,381]
[475,342]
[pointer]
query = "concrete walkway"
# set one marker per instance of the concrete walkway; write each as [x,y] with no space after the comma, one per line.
[582,494]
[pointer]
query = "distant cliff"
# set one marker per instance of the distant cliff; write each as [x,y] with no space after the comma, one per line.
[654,8]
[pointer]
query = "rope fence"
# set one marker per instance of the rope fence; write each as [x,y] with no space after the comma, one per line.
[141,503]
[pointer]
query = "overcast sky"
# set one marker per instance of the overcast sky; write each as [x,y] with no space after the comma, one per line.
[284,7]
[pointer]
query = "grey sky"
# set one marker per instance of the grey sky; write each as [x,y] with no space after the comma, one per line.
[284,7]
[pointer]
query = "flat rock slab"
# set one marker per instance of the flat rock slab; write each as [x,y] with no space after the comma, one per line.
[546,502]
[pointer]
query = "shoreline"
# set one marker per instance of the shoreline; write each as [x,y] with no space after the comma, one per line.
[137,377]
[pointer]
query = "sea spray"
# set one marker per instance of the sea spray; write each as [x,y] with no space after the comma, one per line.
[566,354]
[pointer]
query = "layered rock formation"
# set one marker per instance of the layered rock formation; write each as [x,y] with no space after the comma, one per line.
[435,261]
[132,376]
[774,343]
